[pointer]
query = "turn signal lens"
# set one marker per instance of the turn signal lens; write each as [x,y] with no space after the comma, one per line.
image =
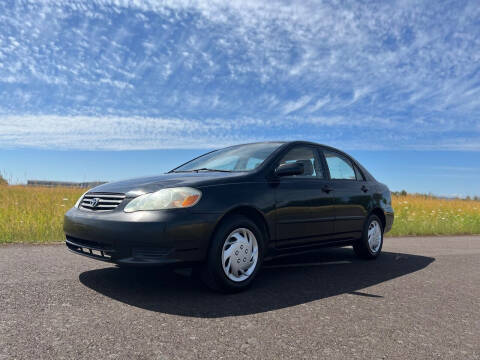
[190,200]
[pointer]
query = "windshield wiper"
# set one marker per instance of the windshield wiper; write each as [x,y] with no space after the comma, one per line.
[197,170]
[207,169]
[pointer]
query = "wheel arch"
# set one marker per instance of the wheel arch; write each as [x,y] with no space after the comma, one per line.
[250,212]
[379,212]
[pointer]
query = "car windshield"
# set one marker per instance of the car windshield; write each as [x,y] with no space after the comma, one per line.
[235,158]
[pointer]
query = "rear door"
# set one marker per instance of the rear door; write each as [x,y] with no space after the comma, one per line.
[351,194]
[304,212]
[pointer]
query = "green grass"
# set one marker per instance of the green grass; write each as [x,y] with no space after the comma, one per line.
[35,214]
[427,215]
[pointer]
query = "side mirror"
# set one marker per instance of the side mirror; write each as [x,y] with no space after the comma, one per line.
[289,169]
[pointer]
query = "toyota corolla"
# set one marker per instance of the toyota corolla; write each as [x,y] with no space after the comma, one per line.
[225,212]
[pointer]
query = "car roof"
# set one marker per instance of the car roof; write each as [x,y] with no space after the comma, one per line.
[295,142]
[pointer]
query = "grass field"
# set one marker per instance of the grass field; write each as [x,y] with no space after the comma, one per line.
[35,214]
[426,215]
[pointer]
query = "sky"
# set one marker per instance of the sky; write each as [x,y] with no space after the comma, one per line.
[111,89]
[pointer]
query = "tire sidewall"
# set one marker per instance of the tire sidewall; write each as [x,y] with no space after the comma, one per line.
[365,236]
[215,254]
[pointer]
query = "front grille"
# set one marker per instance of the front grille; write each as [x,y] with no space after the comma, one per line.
[101,201]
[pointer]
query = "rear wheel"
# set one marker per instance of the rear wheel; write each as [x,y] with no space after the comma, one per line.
[370,245]
[235,255]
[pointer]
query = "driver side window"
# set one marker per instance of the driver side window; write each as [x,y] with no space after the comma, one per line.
[308,158]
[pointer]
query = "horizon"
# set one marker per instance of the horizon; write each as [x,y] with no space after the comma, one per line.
[415,172]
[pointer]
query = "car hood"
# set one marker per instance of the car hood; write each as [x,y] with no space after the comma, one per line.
[143,185]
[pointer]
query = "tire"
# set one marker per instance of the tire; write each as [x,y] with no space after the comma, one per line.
[366,249]
[235,255]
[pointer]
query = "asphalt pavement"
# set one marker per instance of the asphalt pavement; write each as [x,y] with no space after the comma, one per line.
[419,300]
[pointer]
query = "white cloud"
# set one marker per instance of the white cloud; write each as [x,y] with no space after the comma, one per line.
[140,133]
[320,103]
[298,104]
[122,133]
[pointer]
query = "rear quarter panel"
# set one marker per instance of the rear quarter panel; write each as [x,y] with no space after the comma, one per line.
[383,200]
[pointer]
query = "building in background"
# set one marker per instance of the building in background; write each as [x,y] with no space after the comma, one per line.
[64,183]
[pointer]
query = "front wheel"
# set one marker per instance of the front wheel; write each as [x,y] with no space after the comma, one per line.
[370,245]
[235,255]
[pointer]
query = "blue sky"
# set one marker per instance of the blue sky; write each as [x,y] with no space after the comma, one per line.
[87,84]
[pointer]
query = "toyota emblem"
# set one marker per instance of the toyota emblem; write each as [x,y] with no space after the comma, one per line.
[94,202]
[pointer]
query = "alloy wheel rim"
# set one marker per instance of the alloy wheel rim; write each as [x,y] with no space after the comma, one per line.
[240,254]
[374,236]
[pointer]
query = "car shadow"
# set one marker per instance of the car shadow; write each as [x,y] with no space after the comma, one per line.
[282,283]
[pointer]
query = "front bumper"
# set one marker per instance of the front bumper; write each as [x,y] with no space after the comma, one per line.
[389,217]
[140,238]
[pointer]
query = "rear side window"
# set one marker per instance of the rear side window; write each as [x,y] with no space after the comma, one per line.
[308,158]
[340,167]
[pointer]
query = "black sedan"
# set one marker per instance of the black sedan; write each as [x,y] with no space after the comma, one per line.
[225,212]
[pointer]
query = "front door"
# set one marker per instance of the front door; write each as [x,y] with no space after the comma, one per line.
[304,212]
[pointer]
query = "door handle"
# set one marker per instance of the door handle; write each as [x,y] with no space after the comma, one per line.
[364,189]
[327,188]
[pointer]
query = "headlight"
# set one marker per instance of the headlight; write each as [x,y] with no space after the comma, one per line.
[77,204]
[172,198]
